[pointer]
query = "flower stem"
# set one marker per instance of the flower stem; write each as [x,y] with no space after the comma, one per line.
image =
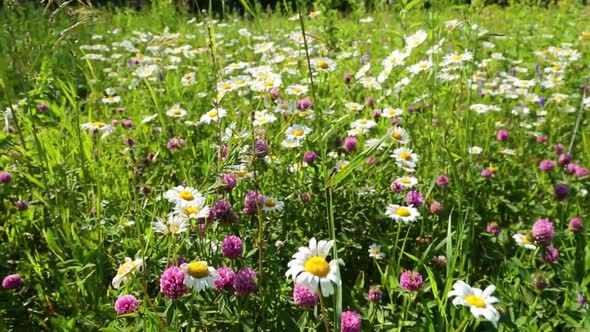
[323,306]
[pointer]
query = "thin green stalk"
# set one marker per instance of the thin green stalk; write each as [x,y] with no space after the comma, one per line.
[324,315]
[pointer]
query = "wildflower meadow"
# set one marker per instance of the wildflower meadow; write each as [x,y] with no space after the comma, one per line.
[301,168]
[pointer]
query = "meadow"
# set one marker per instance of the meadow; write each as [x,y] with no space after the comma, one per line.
[401,169]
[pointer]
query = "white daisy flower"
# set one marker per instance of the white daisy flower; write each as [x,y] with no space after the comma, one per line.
[407,181]
[297,132]
[399,135]
[176,111]
[363,124]
[175,225]
[375,251]
[180,193]
[310,268]
[323,64]
[213,115]
[262,117]
[296,90]
[111,100]
[402,213]
[125,270]
[194,209]
[98,126]
[271,204]
[524,241]
[389,112]
[291,143]
[341,165]
[199,276]
[149,118]
[146,71]
[474,150]
[405,155]
[480,303]
[416,39]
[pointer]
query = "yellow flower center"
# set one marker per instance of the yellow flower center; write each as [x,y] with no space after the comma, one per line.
[363,121]
[406,181]
[323,65]
[526,240]
[304,114]
[375,251]
[240,82]
[492,169]
[198,270]
[396,135]
[175,229]
[176,112]
[423,65]
[317,266]
[241,173]
[269,202]
[186,195]
[298,132]
[187,76]
[213,114]
[405,155]
[269,83]
[475,301]
[226,86]
[458,57]
[125,268]
[342,166]
[392,60]
[98,124]
[402,211]
[297,89]
[190,210]
[284,107]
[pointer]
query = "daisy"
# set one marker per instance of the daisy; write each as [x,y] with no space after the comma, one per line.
[479,108]
[403,213]
[480,303]
[125,270]
[341,165]
[310,268]
[375,251]
[199,276]
[323,64]
[405,155]
[272,204]
[416,39]
[188,79]
[194,209]
[97,126]
[524,241]
[314,13]
[420,66]
[407,181]
[363,124]
[370,83]
[111,99]
[149,118]
[175,225]
[146,71]
[521,110]
[474,150]
[374,143]
[389,112]
[213,115]
[291,143]
[297,132]
[262,118]
[176,112]
[180,193]
[396,58]
[296,90]
[399,135]
[354,106]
